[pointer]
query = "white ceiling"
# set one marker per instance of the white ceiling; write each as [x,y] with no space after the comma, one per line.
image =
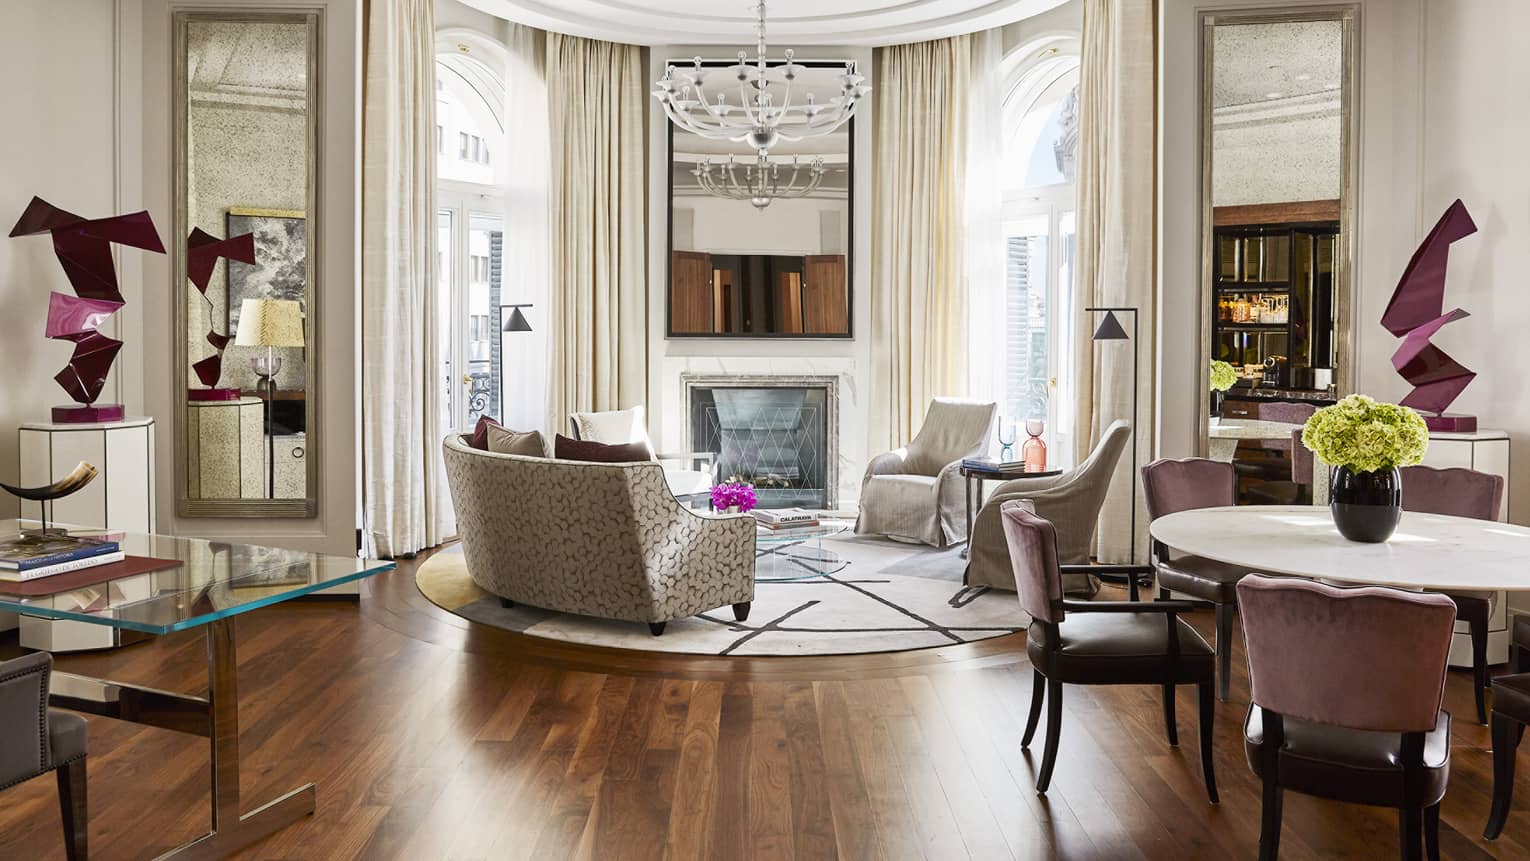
[788,22]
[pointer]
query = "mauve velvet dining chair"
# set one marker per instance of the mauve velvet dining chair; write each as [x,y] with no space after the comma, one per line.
[1460,492]
[1345,687]
[1099,642]
[1171,486]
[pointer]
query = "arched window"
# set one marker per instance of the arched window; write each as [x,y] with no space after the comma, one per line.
[1040,142]
[471,162]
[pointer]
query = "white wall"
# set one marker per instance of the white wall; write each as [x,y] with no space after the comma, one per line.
[1387,194]
[848,358]
[68,66]
[338,281]
[734,227]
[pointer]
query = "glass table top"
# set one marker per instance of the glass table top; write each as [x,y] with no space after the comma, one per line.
[763,535]
[214,580]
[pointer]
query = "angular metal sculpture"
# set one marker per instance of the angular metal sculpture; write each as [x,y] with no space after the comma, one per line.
[83,248]
[202,253]
[1416,312]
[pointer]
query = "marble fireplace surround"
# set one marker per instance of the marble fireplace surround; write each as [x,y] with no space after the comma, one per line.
[846,444]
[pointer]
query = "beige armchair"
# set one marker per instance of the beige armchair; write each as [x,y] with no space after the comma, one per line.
[1071,501]
[915,493]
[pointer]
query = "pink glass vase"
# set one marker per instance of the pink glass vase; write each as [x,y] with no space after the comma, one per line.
[1034,452]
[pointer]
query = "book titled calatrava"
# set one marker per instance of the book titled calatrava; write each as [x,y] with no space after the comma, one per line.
[32,552]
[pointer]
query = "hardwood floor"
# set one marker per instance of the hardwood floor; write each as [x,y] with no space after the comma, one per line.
[432,738]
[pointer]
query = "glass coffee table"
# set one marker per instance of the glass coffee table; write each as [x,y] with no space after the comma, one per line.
[209,585]
[782,555]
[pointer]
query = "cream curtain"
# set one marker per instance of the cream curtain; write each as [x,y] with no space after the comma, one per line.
[918,307]
[597,264]
[1116,227]
[405,503]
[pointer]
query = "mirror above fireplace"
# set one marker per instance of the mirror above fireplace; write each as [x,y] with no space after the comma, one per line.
[759,246]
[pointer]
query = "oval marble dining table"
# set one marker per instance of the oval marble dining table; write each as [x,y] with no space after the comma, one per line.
[1428,551]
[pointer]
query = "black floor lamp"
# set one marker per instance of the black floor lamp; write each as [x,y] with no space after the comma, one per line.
[1110,330]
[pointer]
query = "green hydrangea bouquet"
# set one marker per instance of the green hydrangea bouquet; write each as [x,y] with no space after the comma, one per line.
[1223,377]
[1365,435]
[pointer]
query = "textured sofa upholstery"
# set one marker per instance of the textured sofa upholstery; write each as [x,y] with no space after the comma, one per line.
[598,539]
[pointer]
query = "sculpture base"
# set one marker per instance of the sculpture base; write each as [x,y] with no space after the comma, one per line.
[1450,423]
[88,414]
[213,394]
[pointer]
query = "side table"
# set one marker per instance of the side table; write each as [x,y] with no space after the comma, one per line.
[978,473]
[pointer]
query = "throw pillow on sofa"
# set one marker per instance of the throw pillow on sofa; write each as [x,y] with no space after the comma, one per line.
[595,452]
[503,440]
[480,436]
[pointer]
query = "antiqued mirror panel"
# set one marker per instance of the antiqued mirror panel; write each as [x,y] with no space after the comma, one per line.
[245,165]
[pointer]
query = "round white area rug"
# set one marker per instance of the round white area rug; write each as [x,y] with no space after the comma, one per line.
[843,595]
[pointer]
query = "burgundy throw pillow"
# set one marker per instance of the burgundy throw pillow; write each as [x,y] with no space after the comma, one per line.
[595,452]
[480,437]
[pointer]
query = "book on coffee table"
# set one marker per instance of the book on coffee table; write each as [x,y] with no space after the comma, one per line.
[25,553]
[8,575]
[785,518]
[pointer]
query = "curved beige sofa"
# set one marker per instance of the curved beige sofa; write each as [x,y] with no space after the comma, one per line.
[599,539]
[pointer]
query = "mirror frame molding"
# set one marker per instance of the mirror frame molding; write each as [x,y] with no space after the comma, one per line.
[1349,135]
[185,506]
[669,227]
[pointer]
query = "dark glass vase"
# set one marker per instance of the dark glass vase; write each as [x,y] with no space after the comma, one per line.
[1218,401]
[1366,506]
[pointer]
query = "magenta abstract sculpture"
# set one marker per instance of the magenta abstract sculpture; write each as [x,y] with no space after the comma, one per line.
[83,248]
[1417,311]
[202,253]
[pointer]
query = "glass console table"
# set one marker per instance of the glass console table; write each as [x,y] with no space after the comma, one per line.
[795,553]
[213,584]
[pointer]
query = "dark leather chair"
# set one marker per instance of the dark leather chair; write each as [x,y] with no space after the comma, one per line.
[38,740]
[1099,642]
[1336,712]
[1511,712]
[1461,493]
[1170,486]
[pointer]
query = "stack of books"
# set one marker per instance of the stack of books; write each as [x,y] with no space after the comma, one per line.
[28,557]
[985,464]
[785,518]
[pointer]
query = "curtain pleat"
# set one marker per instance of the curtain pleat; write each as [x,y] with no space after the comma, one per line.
[597,260]
[918,307]
[405,503]
[1117,161]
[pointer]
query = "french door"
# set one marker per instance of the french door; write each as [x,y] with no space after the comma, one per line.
[469,237]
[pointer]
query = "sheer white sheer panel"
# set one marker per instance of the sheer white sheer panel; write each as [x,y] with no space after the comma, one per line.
[525,246]
[985,253]
[403,511]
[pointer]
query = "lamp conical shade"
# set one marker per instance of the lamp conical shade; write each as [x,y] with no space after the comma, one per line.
[1110,329]
[517,322]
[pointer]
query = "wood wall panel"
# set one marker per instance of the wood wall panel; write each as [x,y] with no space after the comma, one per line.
[825,296]
[691,293]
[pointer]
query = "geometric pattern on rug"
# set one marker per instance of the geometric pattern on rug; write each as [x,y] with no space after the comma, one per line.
[842,594]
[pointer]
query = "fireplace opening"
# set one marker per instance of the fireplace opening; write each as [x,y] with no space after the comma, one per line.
[773,437]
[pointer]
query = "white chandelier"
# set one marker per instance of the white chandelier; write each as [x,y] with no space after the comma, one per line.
[761,182]
[758,118]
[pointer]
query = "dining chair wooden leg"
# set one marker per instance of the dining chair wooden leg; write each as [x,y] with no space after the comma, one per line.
[1505,744]
[1432,832]
[1410,832]
[74,808]
[1163,594]
[1269,820]
[1206,723]
[1224,649]
[1054,730]
[1479,634]
[1038,696]
[1169,724]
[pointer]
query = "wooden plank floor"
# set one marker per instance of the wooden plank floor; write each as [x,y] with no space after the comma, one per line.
[433,738]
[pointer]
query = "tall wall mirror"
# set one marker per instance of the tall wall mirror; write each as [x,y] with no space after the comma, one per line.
[246,251]
[760,246]
[1278,138]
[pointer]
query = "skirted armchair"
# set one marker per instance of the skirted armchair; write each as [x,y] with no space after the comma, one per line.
[1071,502]
[915,493]
[599,539]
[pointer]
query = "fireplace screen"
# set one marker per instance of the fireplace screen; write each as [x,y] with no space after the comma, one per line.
[774,438]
